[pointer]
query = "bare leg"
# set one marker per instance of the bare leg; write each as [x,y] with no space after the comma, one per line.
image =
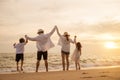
[76,64]
[21,65]
[79,65]
[46,65]
[67,60]
[17,66]
[63,61]
[37,65]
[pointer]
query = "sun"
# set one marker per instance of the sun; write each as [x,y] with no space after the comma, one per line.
[110,45]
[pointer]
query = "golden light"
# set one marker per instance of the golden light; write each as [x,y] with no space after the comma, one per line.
[90,20]
[110,45]
[107,37]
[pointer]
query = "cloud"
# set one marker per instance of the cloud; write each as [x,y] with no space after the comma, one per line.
[53,11]
[111,26]
[19,17]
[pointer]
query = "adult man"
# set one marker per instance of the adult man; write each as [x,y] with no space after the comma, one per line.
[43,43]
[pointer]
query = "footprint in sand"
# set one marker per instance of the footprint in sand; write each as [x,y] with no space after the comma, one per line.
[87,77]
[84,73]
[104,72]
[103,76]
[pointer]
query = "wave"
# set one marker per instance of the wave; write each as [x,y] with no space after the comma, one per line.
[8,64]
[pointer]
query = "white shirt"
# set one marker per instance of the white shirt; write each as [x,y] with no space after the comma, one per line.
[64,43]
[19,48]
[43,41]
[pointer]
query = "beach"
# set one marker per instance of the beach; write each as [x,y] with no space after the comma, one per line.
[89,74]
[95,23]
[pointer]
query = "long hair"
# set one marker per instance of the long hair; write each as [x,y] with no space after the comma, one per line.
[78,46]
[67,37]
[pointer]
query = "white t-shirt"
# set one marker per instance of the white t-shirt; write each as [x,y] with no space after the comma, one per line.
[19,48]
[64,43]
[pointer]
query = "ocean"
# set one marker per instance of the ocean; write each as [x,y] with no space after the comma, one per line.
[8,64]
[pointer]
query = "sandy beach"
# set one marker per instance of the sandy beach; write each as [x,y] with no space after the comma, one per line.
[91,74]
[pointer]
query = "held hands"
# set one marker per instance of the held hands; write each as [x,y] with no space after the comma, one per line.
[14,44]
[56,27]
[75,36]
[26,36]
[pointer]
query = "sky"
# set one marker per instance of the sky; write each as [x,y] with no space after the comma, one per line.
[96,23]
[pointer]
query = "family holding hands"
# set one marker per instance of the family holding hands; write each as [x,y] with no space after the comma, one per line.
[44,43]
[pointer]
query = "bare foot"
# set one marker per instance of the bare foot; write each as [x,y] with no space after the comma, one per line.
[18,69]
[21,69]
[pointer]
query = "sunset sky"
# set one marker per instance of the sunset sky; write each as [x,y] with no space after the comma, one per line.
[95,22]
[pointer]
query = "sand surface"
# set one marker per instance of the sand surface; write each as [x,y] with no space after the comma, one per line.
[91,74]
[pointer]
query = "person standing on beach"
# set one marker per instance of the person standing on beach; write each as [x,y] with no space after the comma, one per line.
[43,43]
[20,52]
[76,54]
[64,42]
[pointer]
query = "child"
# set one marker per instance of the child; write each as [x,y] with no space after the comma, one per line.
[76,54]
[20,52]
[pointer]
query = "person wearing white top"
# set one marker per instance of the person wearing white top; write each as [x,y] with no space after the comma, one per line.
[76,54]
[64,42]
[43,43]
[20,52]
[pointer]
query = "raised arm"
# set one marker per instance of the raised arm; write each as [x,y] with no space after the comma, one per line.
[51,32]
[29,38]
[26,41]
[58,31]
[75,39]
[14,45]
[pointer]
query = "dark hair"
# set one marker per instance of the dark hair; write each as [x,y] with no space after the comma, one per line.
[21,40]
[41,32]
[78,45]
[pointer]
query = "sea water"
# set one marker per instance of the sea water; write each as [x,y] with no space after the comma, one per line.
[8,64]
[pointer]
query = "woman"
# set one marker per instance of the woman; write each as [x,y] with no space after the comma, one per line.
[64,42]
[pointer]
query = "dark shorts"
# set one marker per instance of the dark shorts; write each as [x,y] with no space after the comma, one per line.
[40,54]
[19,57]
[66,53]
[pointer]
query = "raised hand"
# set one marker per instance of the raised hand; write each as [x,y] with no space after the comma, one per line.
[55,26]
[25,36]
[14,44]
[75,36]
